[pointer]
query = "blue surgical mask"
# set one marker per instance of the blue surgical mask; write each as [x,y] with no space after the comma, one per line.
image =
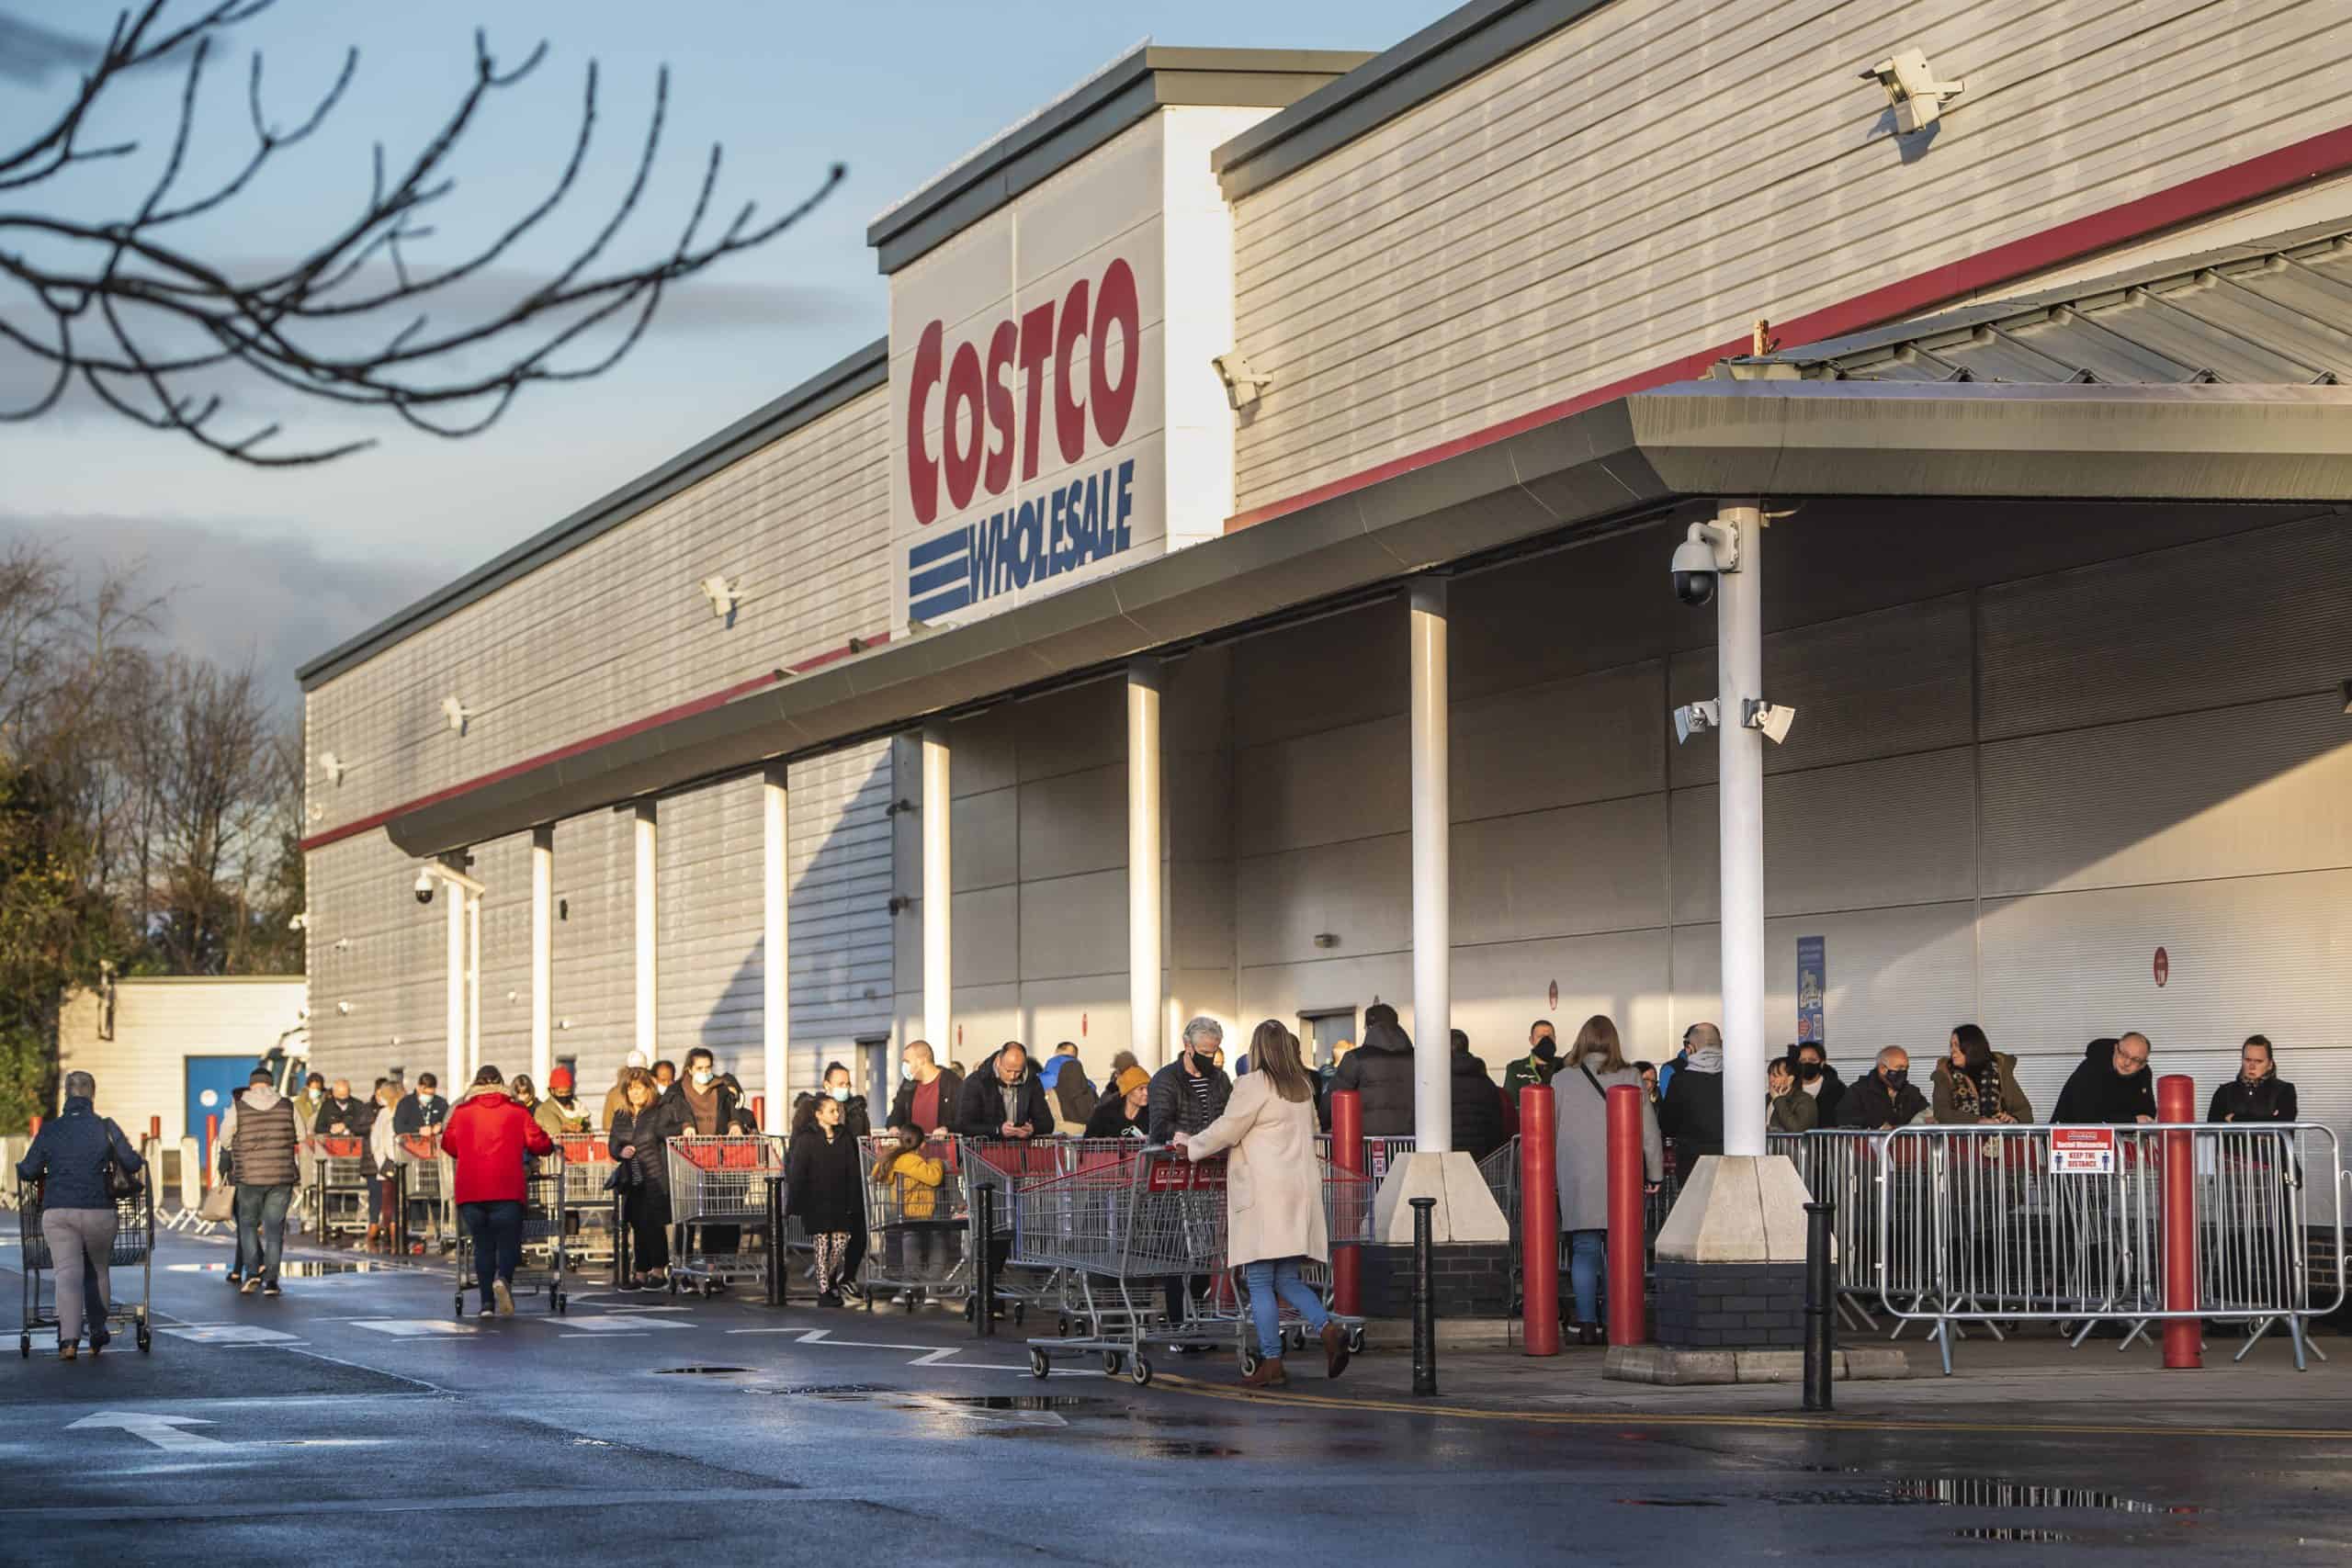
[702,1077]
[907,1071]
[840,1092]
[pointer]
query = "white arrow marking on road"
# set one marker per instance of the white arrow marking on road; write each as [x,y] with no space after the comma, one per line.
[934,1358]
[231,1334]
[163,1431]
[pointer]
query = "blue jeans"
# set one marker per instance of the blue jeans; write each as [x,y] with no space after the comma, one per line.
[1587,1251]
[497,1232]
[1270,1278]
[261,1230]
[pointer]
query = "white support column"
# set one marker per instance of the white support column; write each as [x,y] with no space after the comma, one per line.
[1432,875]
[542,954]
[776,963]
[1145,1035]
[455,1073]
[473,988]
[1739,651]
[938,895]
[648,931]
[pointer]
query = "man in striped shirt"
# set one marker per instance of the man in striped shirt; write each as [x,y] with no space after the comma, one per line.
[1186,1096]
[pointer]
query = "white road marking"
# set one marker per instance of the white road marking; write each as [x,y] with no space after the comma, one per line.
[163,1431]
[415,1327]
[603,1337]
[231,1334]
[618,1323]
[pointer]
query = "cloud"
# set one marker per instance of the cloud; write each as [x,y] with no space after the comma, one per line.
[29,53]
[234,596]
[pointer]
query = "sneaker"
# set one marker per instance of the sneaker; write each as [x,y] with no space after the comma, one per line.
[829,1299]
[487,1310]
[505,1298]
[251,1287]
[271,1289]
[237,1277]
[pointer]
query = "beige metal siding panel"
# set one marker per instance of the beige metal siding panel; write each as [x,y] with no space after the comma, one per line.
[1074,926]
[595,967]
[712,850]
[1895,832]
[1577,869]
[2228,792]
[2262,614]
[838,869]
[1361,893]
[1565,218]
[1596,737]
[373,948]
[504,868]
[1865,686]
[158,1024]
[2248,954]
[1327,788]
[617,628]
[1074,823]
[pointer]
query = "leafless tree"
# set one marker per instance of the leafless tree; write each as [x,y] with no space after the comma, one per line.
[130,309]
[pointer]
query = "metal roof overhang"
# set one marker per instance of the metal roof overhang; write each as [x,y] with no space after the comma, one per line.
[1614,465]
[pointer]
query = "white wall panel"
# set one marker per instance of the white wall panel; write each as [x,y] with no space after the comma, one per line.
[838,871]
[1585,211]
[617,628]
[2226,792]
[712,963]
[1330,786]
[1076,926]
[1581,868]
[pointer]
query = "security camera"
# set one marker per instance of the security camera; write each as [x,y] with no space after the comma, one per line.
[425,887]
[1706,551]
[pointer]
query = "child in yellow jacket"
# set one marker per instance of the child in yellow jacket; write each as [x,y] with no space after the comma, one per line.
[912,1181]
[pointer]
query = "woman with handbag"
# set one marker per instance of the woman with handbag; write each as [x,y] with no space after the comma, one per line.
[84,1166]
[642,1178]
[1581,1104]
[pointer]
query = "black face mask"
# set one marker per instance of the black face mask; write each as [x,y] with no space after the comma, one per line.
[1898,1077]
[1808,1070]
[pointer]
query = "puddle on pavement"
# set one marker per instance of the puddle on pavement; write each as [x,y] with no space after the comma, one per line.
[697,1371]
[1966,1492]
[2012,1535]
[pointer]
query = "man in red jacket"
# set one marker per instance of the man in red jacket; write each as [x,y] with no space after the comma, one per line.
[492,1138]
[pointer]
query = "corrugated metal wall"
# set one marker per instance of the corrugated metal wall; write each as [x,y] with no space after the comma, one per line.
[837,869]
[711,964]
[1646,182]
[1997,803]
[618,628]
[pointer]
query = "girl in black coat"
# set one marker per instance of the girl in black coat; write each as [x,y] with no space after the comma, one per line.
[821,1186]
[641,1164]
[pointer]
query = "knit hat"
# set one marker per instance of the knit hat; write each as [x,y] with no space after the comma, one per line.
[634,1059]
[559,1080]
[1131,1081]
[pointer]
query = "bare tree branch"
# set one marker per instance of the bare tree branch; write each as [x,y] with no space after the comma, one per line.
[127,310]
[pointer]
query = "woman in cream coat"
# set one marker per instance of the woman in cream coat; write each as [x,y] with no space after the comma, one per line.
[1273,1197]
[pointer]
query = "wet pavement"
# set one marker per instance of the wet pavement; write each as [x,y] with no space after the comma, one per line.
[354,1420]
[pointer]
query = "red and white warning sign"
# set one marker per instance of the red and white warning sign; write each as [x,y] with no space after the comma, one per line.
[2082,1151]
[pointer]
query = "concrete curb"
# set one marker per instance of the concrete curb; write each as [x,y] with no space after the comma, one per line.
[1682,1369]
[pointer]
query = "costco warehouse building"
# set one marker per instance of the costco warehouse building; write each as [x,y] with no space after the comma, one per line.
[1255,430]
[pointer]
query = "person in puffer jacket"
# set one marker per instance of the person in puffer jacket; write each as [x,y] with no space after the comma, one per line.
[490,1138]
[71,1158]
[1381,1071]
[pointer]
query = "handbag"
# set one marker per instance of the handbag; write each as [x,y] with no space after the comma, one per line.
[220,1203]
[121,1184]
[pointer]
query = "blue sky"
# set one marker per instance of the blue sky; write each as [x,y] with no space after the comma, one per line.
[276,566]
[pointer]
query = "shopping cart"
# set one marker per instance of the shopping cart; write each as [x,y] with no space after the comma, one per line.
[339,1183]
[590,1232]
[915,1233]
[1119,1224]
[1003,1166]
[719,1189]
[427,1185]
[542,1268]
[134,1246]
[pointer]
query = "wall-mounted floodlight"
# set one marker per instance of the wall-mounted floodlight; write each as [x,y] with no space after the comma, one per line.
[333,766]
[722,595]
[1773,718]
[1912,88]
[457,713]
[1695,718]
[1243,385]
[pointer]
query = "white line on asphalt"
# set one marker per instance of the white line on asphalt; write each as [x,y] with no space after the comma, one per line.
[162,1431]
[603,1337]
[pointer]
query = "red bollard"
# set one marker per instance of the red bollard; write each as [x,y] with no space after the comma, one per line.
[211,1136]
[1628,1271]
[36,1127]
[1347,1153]
[155,1129]
[760,1111]
[1539,1222]
[2184,1336]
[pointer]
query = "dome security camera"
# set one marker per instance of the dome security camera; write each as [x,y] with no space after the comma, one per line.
[425,887]
[1708,550]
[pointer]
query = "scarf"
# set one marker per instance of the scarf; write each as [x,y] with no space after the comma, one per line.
[1978,1089]
[1709,1060]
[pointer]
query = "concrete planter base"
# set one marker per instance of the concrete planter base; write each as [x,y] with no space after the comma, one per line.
[1662,1364]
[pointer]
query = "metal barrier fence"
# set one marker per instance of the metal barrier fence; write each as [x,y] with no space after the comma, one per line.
[2032,1224]
[1840,1167]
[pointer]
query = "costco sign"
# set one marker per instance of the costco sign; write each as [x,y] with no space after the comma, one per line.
[1045,390]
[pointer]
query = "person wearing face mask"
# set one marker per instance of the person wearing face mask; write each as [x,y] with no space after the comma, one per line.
[1886,1098]
[1690,1111]
[1819,1079]
[338,1114]
[856,1122]
[696,1104]
[927,1092]
[2257,1093]
[821,1181]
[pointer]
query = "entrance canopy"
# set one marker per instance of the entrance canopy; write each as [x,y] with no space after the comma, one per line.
[2211,379]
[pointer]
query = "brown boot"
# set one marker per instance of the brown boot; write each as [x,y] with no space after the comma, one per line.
[1267,1374]
[1335,1349]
